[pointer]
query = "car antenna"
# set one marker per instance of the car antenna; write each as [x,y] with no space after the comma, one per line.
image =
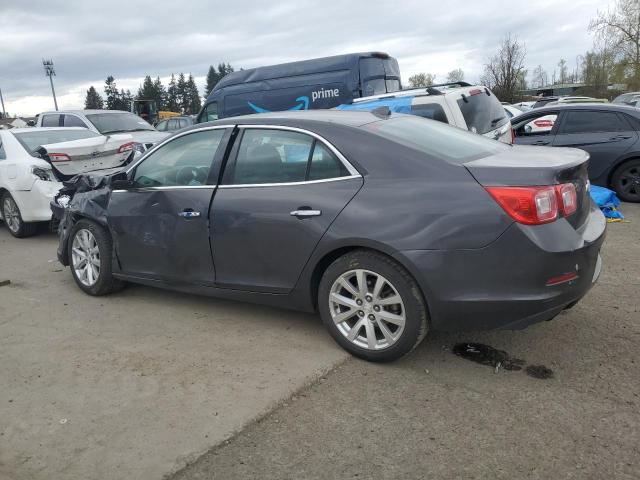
[382,112]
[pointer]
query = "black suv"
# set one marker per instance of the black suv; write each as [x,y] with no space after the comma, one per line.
[610,133]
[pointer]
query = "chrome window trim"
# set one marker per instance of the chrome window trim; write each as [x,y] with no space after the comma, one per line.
[350,168]
[169,187]
[290,184]
[171,138]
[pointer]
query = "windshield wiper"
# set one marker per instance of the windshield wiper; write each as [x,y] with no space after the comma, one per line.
[496,120]
[106,132]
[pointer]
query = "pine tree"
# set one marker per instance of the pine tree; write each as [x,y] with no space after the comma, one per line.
[160,94]
[125,100]
[111,92]
[146,90]
[172,95]
[93,100]
[181,93]
[193,96]
[212,79]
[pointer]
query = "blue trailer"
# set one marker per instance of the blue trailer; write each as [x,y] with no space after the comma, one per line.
[309,84]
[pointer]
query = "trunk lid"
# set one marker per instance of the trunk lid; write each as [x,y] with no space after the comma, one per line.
[521,166]
[86,155]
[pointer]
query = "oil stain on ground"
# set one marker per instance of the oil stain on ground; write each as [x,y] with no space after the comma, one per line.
[492,357]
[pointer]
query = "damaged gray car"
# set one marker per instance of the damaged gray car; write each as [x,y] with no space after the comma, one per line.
[389,225]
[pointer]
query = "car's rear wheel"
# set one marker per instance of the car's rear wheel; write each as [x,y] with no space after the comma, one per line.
[372,306]
[13,218]
[626,181]
[90,253]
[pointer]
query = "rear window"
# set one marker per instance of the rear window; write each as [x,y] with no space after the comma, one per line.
[482,113]
[32,140]
[118,122]
[436,139]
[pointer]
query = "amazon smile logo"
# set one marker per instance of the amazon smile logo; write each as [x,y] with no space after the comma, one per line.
[303,102]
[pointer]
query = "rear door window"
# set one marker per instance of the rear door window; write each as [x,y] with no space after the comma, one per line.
[434,111]
[51,120]
[268,156]
[482,113]
[162,126]
[580,121]
[73,121]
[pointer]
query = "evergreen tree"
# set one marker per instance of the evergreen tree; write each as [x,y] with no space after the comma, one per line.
[212,79]
[111,92]
[193,96]
[181,93]
[160,94]
[147,90]
[93,100]
[125,100]
[172,95]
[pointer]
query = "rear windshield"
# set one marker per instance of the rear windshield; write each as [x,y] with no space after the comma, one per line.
[436,139]
[482,112]
[32,140]
[118,122]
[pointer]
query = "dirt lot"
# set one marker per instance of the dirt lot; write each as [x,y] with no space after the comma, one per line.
[139,384]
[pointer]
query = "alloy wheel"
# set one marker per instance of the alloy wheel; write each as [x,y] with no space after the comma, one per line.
[629,182]
[367,309]
[11,214]
[85,257]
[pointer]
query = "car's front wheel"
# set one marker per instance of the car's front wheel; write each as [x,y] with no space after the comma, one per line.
[90,253]
[13,218]
[372,306]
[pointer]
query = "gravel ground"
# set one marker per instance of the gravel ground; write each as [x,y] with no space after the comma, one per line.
[436,415]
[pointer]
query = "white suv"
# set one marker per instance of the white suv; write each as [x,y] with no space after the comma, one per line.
[471,107]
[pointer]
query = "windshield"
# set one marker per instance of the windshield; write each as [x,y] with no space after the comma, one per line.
[435,138]
[482,112]
[118,122]
[32,140]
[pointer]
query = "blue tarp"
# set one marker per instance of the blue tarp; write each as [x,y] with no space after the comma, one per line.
[396,104]
[607,201]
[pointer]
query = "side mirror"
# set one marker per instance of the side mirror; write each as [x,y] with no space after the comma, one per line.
[121,181]
[31,123]
[527,129]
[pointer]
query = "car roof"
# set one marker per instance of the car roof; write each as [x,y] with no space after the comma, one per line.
[433,90]
[46,129]
[291,118]
[589,106]
[83,112]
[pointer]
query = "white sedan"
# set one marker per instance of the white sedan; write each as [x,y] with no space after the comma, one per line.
[34,160]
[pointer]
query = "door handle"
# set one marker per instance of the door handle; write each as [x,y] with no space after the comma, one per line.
[541,142]
[621,137]
[188,213]
[303,213]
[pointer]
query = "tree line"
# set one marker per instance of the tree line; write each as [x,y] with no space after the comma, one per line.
[614,59]
[181,94]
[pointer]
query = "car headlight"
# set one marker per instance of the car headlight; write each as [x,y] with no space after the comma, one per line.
[44,174]
[63,200]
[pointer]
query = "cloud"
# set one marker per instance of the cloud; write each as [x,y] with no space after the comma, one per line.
[89,40]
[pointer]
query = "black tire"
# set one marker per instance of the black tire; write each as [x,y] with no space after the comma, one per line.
[106,283]
[25,229]
[624,178]
[415,310]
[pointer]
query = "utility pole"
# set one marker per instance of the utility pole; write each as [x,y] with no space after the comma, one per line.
[4,113]
[50,72]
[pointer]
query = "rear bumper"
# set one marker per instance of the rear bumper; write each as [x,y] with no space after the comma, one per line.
[504,285]
[34,203]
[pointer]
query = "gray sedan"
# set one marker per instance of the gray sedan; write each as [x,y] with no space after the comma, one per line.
[389,225]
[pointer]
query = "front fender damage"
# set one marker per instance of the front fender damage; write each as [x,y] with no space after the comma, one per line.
[83,196]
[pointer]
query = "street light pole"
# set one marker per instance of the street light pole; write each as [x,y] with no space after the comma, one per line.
[50,72]
[4,113]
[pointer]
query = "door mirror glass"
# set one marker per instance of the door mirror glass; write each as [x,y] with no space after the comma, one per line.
[540,125]
[184,161]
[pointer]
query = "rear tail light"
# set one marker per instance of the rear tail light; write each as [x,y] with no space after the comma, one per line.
[127,147]
[567,198]
[528,205]
[513,135]
[59,157]
[543,123]
[560,279]
[536,205]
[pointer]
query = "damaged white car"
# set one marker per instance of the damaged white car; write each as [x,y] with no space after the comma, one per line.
[34,162]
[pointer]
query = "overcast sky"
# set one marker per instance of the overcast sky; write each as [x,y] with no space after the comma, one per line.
[89,40]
